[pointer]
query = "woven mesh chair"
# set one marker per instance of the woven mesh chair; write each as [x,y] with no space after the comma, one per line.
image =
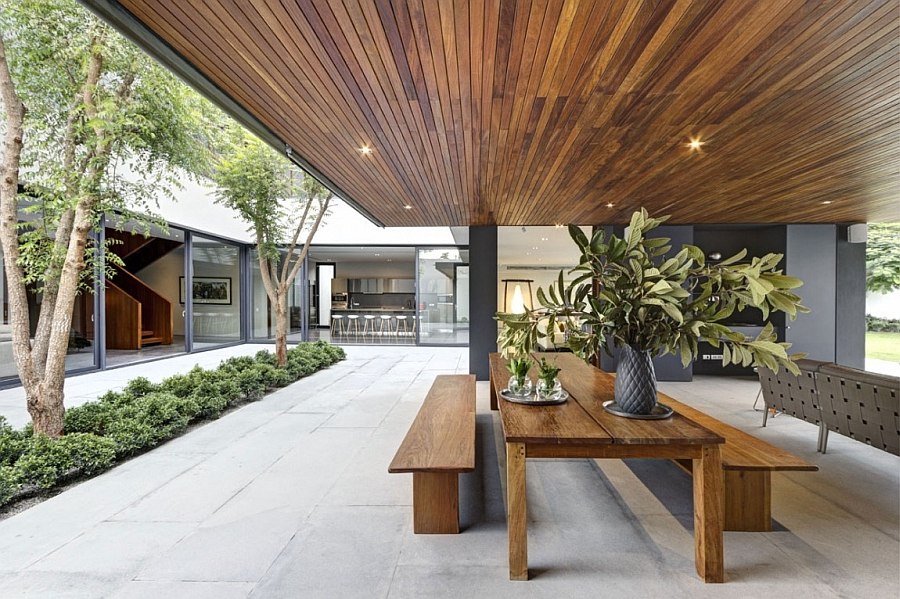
[794,395]
[861,405]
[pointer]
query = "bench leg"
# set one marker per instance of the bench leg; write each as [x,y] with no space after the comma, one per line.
[748,500]
[435,502]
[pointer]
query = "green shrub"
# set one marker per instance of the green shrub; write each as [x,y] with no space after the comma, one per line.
[238,363]
[44,462]
[9,483]
[92,417]
[12,443]
[89,453]
[251,384]
[882,325]
[149,420]
[145,414]
[140,386]
[264,356]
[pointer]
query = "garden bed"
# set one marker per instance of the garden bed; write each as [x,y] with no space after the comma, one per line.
[122,424]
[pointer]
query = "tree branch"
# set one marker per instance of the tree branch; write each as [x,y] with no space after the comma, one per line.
[285,269]
[323,207]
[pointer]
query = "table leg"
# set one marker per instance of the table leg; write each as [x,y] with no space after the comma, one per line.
[494,405]
[709,508]
[517,511]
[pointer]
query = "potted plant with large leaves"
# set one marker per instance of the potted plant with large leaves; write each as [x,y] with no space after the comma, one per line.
[633,293]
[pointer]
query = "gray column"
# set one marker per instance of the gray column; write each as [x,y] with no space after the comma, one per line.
[811,256]
[482,299]
[850,294]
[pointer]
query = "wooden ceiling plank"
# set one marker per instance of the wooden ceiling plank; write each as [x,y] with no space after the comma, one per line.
[381,87]
[438,95]
[526,111]
[392,69]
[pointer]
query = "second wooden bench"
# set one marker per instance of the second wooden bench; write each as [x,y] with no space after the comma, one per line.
[439,445]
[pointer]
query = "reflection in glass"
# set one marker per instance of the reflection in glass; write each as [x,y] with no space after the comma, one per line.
[80,353]
[443,299]
[262,314]
[216,292]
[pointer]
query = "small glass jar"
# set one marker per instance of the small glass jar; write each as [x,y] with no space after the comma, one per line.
[520,387]
[548,389]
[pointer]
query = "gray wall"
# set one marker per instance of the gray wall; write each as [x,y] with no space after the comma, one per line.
[482,299]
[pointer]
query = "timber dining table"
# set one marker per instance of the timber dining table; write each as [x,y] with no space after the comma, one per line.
[581,428]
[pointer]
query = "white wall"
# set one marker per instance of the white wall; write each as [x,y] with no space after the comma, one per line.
[162,277]
[884,305]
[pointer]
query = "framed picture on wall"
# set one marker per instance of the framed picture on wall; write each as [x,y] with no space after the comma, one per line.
[208,290]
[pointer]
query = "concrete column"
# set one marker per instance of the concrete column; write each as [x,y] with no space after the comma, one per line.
[482,298]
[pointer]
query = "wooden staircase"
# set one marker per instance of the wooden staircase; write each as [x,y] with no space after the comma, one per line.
[137,316]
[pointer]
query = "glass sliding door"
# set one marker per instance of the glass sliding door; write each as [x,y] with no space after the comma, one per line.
[216,293]
[262,315]
[143,304]
[443,296]
[80,352]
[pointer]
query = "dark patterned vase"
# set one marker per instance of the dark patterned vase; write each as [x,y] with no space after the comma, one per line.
[635,382]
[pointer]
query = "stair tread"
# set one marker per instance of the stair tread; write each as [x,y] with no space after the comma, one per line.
[151,340]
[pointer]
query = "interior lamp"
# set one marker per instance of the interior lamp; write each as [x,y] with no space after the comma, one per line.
[518,302]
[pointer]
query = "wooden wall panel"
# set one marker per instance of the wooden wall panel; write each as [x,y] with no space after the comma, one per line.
[545,111]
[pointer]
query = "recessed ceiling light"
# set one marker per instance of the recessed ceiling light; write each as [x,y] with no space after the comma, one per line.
[377,254]
[559,226]
[534,247]
[695,143]
[544,238]
[826,201]
[366,150]
[408,207]
[609,204]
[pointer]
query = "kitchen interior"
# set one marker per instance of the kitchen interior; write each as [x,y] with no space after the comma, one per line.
[363,294]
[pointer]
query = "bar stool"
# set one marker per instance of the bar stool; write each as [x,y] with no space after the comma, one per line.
[385,319]
[368,323]
[401,319]
[337,324]
[352,323]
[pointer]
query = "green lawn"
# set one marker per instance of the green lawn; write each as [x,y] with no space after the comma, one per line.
[883,346]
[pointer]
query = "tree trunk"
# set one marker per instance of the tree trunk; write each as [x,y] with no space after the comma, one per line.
[281,328]
[45,405]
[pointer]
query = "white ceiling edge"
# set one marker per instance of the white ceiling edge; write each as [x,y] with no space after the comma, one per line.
[193,205]
[537,247]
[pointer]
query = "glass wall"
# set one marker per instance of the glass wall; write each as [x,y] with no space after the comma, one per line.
[216,292]
[443,296]
[261,312]
[80,353]
[148,278]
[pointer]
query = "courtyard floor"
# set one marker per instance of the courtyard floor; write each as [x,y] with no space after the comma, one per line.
[290,497]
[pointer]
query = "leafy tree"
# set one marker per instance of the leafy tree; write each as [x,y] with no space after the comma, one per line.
[883,258]
[82,107]
[280,202]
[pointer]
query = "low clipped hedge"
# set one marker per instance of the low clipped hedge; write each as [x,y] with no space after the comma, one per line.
[882,325]
[124,423]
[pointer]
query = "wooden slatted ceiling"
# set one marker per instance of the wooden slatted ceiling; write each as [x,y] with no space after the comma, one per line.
[544,111]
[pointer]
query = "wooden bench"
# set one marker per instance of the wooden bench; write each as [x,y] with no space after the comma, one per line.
[747,462]
[438,446]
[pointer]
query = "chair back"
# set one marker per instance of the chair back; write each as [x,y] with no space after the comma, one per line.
[862,405]
[792,394]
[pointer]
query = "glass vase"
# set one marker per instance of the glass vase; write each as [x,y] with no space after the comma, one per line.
[548,389]
[520,387]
